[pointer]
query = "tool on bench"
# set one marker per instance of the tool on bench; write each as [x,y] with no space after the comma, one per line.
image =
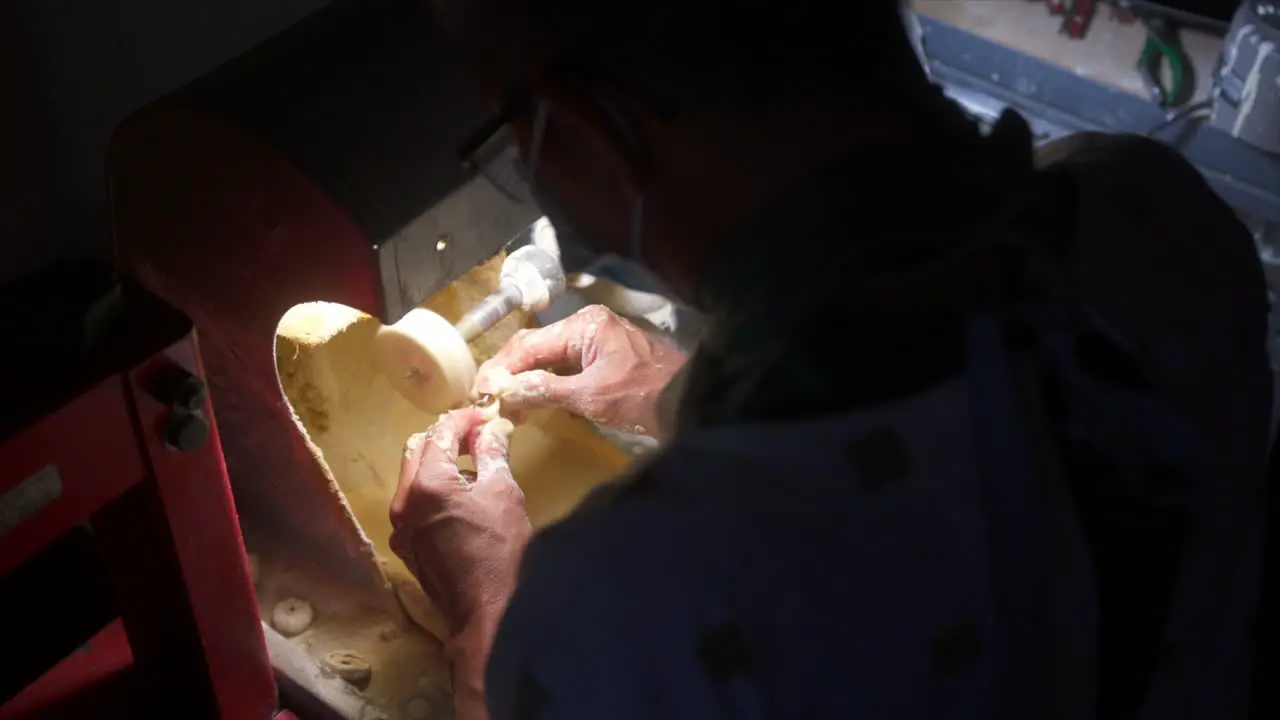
[1076,16]
[1163,49]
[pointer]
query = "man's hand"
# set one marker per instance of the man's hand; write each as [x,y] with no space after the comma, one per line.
[593,363]
[461,536]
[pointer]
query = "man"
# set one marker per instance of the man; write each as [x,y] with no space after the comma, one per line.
[898,472]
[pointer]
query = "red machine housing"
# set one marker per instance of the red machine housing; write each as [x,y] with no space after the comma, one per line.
[110,428]
[320,166]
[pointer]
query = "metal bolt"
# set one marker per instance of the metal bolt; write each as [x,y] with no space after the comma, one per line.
[174,386]
[185,431]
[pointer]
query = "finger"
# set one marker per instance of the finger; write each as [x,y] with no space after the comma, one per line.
[431,458]
[413,448]
[412,457]
[491,450]
[540,389]
[400,546]
[556,345]
[439,463]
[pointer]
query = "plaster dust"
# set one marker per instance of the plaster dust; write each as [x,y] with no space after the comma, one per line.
[408,667]
[359,424]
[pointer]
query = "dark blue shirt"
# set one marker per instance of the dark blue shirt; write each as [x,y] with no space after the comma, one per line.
[853,521]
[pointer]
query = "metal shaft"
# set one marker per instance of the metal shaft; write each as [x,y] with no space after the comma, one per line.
[489,311]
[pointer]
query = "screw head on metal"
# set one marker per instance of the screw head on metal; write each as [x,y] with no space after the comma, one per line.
[185,432]
[174,386]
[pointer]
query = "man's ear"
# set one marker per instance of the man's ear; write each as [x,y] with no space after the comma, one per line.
[601,122]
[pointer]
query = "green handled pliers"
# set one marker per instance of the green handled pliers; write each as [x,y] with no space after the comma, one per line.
[1163,46]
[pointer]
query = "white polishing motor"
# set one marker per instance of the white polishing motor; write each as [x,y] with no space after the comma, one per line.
[428,361]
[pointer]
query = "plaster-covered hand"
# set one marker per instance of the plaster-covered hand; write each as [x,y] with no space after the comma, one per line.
[593,363]
[461,536]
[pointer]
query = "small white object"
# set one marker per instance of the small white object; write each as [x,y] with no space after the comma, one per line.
[350,666]
[418,709]
[544,236]
[427,361]
[292,616]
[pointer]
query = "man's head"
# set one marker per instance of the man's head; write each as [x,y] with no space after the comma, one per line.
[701,109]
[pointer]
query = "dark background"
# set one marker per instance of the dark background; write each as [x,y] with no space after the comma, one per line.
[70,70]
[1216,9]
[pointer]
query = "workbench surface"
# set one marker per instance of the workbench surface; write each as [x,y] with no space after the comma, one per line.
[1108,53]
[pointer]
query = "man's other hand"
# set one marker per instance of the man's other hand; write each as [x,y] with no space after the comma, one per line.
[593,363]
[461,534]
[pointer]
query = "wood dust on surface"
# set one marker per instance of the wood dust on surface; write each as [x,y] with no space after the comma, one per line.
[359,424]
[409,667]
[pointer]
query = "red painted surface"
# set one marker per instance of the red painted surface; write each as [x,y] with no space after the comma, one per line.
[96,681]
[166,527]
[1077,18]
[87,481]
[204,586]
[225,229]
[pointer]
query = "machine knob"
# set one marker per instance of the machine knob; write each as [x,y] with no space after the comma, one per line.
[185,431]
[174,386]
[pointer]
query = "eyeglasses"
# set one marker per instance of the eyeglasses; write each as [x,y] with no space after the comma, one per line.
[491,151]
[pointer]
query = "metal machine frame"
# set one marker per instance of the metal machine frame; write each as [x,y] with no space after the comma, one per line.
[110,426]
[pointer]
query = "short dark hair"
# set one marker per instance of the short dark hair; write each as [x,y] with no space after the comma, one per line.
[696,51]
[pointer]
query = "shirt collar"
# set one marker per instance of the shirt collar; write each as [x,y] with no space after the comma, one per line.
[875,210]
[875,215]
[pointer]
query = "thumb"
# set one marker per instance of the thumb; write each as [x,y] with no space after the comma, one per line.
[491,451]
[540,389]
